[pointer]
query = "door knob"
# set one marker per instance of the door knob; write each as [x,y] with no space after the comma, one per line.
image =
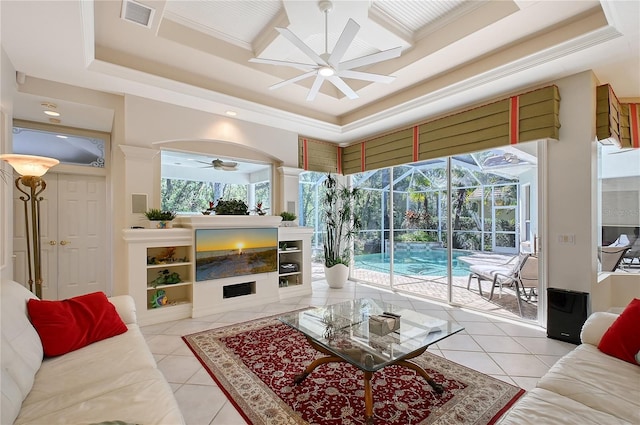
[65,243]
[52,243]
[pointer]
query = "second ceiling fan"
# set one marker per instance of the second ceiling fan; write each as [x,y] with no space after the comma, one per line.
[329,66]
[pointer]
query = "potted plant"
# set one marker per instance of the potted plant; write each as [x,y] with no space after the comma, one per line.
[159,219]
[288,219]
[341,224]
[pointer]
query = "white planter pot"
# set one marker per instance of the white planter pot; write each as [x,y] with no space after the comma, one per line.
[160,224]
[337,275]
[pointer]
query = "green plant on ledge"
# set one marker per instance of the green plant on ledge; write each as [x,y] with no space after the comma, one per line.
[287,216]
[232,207]
[155,214]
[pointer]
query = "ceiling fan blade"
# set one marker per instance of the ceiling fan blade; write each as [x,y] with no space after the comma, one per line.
[342,86]
[293,80]
[348,34]
[286,33]
[372,58]
[315,87]
[366,76]
[297,65]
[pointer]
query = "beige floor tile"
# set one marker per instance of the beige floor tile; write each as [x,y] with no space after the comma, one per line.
[499,344]
[459,342]
[520,364]
[479,361]
[546,346]
[228,415]
[179,369]
[164,344]
[199,404]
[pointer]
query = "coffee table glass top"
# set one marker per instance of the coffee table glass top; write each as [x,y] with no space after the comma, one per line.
[370,334]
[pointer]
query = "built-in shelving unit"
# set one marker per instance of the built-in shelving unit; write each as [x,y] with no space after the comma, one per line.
[162,263]
[294,248]
[160,273]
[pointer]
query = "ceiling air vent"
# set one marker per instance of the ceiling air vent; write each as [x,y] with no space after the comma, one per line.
[137,13]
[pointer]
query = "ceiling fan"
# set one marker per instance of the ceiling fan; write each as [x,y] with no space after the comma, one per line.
[219,164]
[329,66]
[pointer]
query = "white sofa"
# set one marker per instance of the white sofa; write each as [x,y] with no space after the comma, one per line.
[115,379]
[584,387]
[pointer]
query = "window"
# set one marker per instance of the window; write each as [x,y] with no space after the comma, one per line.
[73,147]
[191,181]
[619,196]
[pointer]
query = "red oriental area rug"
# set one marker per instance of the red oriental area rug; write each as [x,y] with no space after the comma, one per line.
[255,363]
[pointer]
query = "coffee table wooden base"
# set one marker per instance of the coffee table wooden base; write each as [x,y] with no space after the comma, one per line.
[368,394]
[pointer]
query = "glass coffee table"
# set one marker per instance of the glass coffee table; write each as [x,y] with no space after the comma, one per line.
[369,334]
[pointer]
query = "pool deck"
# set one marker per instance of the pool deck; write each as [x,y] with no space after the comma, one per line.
[435,287]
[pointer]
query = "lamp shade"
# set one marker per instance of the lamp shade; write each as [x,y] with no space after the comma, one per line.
[30,165]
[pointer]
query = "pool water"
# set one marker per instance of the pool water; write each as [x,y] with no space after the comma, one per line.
[430,262]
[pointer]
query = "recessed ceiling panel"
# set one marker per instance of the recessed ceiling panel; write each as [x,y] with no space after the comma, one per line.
[415,15]
[237,22]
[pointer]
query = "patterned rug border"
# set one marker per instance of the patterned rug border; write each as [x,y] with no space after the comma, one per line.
[293,417]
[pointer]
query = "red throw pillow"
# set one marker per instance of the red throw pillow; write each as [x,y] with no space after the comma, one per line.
[622,339]
[71,324]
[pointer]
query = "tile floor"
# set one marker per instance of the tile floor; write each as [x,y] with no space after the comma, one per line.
[513,352]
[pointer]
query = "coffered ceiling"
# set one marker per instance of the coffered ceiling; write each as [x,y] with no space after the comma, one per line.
[196,54]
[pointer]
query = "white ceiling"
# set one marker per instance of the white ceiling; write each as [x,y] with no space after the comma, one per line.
[195,54]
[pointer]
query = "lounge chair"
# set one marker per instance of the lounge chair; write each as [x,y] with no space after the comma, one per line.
[611,256]
[494,273]
[633,254]
[525,278]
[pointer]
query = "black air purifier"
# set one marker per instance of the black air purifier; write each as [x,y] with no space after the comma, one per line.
[566,313]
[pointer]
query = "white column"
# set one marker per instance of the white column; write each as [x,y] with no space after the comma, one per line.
[289,178]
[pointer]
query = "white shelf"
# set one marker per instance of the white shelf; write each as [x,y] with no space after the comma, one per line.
[170,285]
[160,266]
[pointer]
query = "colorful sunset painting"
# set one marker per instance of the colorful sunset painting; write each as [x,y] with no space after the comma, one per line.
[235,252]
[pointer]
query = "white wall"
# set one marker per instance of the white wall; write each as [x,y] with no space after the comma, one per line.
[571,183]
[7,90]
[151,125]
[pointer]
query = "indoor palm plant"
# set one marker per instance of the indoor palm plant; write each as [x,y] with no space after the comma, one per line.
[340,225]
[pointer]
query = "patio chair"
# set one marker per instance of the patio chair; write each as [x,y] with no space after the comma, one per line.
[611,256]
[494,273]
[623,240]
[633,254]
[526,277]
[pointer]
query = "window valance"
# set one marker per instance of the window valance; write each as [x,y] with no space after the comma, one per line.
[318,155]
[521,118]
[615,121]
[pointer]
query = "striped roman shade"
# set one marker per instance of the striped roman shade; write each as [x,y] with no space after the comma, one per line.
[630,125]
[522,118]
[607,114]
[316,155]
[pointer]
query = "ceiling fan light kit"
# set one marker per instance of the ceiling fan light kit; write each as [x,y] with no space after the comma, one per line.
[329,66]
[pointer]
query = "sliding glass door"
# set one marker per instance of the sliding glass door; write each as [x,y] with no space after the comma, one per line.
[486,198]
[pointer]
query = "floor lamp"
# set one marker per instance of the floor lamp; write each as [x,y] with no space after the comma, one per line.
[31,169]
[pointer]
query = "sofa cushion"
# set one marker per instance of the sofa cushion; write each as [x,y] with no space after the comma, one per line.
[71,324]
[602,382]
[20,349]
[595,326]
[540,406]
[138,397]
[622,339]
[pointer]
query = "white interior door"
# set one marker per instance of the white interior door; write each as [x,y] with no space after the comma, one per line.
[72,234]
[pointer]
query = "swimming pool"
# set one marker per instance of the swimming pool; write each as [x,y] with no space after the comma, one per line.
[431,262]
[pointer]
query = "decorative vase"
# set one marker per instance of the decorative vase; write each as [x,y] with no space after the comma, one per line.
[336,275]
